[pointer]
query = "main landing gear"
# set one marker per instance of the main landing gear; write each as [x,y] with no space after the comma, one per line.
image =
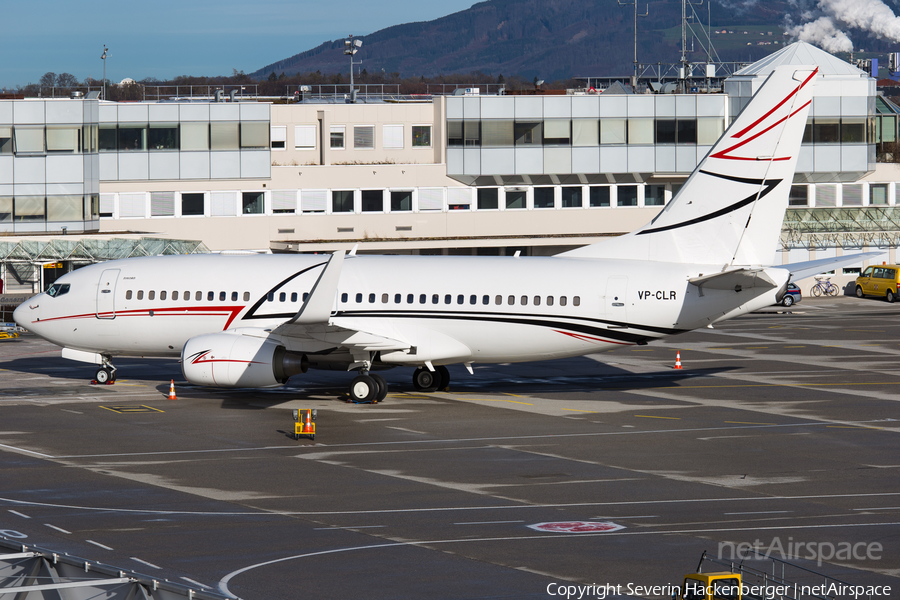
[367,388]
[429,381]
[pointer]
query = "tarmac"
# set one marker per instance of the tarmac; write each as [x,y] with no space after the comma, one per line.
[781,432]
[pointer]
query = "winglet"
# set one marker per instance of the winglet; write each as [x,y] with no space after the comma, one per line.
[320,302]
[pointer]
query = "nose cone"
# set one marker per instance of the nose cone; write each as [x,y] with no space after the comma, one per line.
[27,313]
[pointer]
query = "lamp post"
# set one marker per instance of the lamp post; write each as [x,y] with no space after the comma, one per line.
[351,47]
[103,58]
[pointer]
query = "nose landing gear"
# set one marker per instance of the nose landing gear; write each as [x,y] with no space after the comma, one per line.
[106,374]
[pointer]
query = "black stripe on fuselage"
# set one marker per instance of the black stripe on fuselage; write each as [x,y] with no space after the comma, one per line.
[537,320]
[770,185]
[251,314]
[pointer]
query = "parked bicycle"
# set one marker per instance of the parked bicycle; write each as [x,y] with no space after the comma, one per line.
[824,287]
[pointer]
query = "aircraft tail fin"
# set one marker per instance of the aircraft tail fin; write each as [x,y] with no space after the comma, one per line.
[731,208]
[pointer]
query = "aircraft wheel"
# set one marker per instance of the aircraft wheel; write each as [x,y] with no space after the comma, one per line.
[425,380]
[444,384]
[382,387]
[103,375]
[859,292]
[363,390]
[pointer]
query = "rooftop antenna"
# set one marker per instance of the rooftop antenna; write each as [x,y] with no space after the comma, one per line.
[634,77]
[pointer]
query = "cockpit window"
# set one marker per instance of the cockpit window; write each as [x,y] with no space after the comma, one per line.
[58,289]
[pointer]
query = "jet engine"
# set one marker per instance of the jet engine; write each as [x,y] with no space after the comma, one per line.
[230,359]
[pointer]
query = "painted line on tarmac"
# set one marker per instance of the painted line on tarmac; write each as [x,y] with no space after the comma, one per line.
[144,562]
[263,512]
[223,583]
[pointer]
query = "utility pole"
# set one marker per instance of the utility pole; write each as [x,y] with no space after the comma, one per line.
[634,77]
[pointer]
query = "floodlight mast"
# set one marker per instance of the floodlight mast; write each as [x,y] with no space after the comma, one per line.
[103,58]
[351,47]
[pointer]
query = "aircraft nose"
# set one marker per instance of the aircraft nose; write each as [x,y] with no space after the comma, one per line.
[26,313]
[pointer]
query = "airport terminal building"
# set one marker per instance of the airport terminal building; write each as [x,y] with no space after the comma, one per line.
[461,174]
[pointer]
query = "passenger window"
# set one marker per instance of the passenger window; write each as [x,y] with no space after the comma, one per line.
[344,297]
[293,296]
[246,296]
[423,298]
[460,299]
[210,296]
[151,295]
[234,296]
[371,298]
[576,300]
[435,299]
[384,298]
[174,295]
[270,296]
[305,296]
[473,299]
[140,295]
[549,300]
[398,299]
[498,300]
[537,300]
[524,300]
[282,297]
[187,296]
[410,298]
[562,300]
[511,300]
[128,295]
[162,295]
[198,296]
[358,298]
[485,299]
[222,297]
[448,299]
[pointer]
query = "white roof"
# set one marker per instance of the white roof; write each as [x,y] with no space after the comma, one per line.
[802,53]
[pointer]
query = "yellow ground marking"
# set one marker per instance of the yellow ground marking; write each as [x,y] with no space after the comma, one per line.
[795,346]
[851,427]
[501,400]
[132,409]
[576,410]
[721,349]
[870,344]
[655,417]
[514,395]
[757,347]
[748,423]
[832,346]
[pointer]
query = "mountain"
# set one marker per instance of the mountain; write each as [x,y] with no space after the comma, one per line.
[548,39]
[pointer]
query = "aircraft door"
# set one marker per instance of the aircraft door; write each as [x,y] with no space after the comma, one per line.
[616,289]
[106,293]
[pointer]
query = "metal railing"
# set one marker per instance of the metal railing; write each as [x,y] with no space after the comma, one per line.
[170,93]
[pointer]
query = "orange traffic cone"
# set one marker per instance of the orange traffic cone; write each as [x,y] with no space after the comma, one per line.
[677,359]
[172,389]
[308,424]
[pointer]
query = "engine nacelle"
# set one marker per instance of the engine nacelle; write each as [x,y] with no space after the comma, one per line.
[233,360]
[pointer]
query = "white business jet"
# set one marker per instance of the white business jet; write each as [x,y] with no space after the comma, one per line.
[255,321]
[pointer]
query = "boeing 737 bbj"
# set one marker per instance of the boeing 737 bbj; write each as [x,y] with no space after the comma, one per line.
[255,321]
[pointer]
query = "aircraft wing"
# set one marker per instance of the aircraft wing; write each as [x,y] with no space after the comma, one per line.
[814,267]
[734,279]
[314,323]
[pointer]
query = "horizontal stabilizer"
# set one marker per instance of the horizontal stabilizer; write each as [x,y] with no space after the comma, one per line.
[735,279]
[802,270]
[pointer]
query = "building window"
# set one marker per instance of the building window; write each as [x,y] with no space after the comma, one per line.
[528,134]
[585,132]
[337,137]
[799,195]
[709,130]
[193,205]
[194,136]
[107,138]
[223,135]
[488,199]
[612,131]
[543,197]
[279,137]
[515,199]
[686,131]
[571,197]
[421,136]
[131,137]
[372,200]
[878,194]
[626,195]
[401,201]
[640,131]
[654,195]
[63,140]
[853,130]
[599,195]
[254,135]
[364,137]
[341,201]
[496,133]
[392,137]
[253,203]
[29,208]
[163,136]
[826,130]
[304,137]
[665,131]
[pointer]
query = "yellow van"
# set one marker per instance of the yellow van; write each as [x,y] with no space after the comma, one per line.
[880,280]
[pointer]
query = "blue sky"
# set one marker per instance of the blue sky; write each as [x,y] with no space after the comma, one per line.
[167,38]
